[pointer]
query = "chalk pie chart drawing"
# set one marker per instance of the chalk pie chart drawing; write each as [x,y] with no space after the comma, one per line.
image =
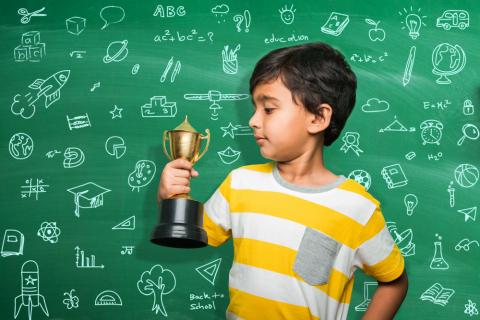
[115,146]
[116,51]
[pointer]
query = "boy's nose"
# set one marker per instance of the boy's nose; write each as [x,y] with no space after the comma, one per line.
[254,122]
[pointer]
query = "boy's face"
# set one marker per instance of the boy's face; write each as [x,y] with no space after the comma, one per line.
[280,126]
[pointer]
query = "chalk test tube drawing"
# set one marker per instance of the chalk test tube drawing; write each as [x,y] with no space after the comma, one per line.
[31,188]
[27,16]
[71,301]
[394,176]
[335,24]
[108,298]
[471,308]
[20,146]
[111,15]
[451,194]
[447,60]
[396,126]
[351,141]
[116,112]
[454,19]
[31,49]
[83,262]
[469,131]
[438,261]
[375,105]
[127,224]
[175,72]
[412,22]
[411,202]
[368,290]
[75,25]
[119,50]
[466,175]
[404,239]
[87,195]
[375,34]
[244,19]
[470,213]
[220,11]
[209,270]
[142,175]
[215,96]
[437,294]
[229,155]
[127,250]
[230,60]
[362,177]
[12,244]
[48,90]
[407,73]
[30,295]
[159,282]
[78,122]
[159,108]
[465,243]
[115,146]
[236,130]
[287,14]
[49,232]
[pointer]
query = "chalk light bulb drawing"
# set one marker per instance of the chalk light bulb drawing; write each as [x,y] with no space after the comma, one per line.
[414,23]
[411,202]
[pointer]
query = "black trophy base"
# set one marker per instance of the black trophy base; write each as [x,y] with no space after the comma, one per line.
[180,224]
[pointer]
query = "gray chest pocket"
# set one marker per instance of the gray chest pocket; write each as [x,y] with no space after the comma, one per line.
[315,257]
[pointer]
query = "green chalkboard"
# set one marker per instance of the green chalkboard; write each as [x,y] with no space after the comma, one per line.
[89,87]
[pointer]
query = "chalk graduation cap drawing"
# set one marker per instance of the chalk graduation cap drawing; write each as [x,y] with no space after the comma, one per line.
[87,195]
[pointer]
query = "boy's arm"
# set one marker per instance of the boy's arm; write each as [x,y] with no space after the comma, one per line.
[387,299]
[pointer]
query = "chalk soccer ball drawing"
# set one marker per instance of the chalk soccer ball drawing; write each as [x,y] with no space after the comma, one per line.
[431,131]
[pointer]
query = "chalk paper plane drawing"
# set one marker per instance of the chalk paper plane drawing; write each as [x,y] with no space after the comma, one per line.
[48,90]
[159,107]
[335,24]
[31,49]
[127,224]
[209,270]
[157,281]
[229,155]
[115,146]
[30,296]
[87,195]
[396,126]
[83,262]
[13,241]
[470,213]
[437,294]
[236,130]
[142,175]
[108,298]
[215,96]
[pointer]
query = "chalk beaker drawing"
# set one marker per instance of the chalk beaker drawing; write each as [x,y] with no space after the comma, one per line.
[438,262]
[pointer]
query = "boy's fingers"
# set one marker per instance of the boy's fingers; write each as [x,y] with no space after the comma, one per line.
[194,173]
[181,164]
[179,189]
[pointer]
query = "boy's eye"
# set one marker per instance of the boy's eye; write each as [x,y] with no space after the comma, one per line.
[268,110]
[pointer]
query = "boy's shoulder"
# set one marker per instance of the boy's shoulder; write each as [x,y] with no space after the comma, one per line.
[353,186]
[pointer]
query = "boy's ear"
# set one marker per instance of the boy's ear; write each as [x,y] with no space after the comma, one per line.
[321,120]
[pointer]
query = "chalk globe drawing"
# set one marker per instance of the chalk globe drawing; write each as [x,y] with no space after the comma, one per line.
[20,146]
[447,60]
[466,175]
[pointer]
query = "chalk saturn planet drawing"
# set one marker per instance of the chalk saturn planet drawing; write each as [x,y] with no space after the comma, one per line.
[119,48]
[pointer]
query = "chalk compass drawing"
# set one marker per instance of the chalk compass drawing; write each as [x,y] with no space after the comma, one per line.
[127,250]
[34,188]
[411,202]
[159,107]
[71,301]
[142,175]
[466,175]
[49,232]
[230,60]
[215,96]
[20,146]
[244,19]
[87,195]
[236,130]
[75,25]
[119,50]
[362,177]
[287,14]
[127,224]
[175,72]
[30,296]
[159,282]
[469,131]
[83,262]
[454,19]
[78,122]
[375,34]
[209,270]
[412,21]
[437,294]
[394,176]
[115,146]
[438,261]
[396,126]
[351,141]
[31,49]
[404,239]
[116,112]
[48,90]
[220,11]
[111,15]
[27,16]
[12,244]
[471,308]
[368,290]
[108,298]
[229,155]
[465,244]
[470,213]
[335,24]
[447,60]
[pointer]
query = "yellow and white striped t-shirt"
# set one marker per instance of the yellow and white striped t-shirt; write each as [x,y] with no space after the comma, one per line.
[296,249]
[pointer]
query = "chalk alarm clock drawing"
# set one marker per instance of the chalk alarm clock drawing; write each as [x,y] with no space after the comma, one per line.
[431,131]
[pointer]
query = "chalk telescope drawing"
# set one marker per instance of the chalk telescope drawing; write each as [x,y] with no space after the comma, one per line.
[75,25]
[88,195]
[111,15]
[12,244]
[49,232]
[215,96]
[20,146]
[209,270]
[287,14]
[27,16]
[30,296]
[48,90]
[71,301]
[108,298]
[229,155]
[119,50]
[412,21]
[115,146]
[116,112]
[335,24]
[244,19]
[159,282]
[31,49]
[142,175]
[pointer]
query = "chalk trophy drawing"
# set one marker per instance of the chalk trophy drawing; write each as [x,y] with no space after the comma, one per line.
[27,16]
[75,25]
[287,14]
[438,294]
[111,15]
[229,155]
[83,262]
[20,146]
[220,11]
[362,177]
[214,96]
[142,175]
[116,112]
[48,90]
[159,107]
[447,60]
[396,126]
[244,19]
[469,213]
[412,21]
[404,239]
[108,298]
[471,308]
[71,301]
[73,157]
[33,188]
[209,270]
[465,244]
[407,73]
[30,295]
[12,244]
[115,146]
[78,122]
[466,175]
[375,34]
[411,202]
[236,130]
[394,176]
[230,60]
[454,19]
[351,141]
[49,232]
[335,24]
[119,50]
[159,282]
[175,72]
[368,290]
[31,49]
[127,224]
[469,131]
[87,195]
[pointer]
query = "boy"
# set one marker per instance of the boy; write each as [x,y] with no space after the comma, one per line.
[299,230]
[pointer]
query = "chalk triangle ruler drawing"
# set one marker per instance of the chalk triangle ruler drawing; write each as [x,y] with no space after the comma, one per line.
[209,271]
[127,224]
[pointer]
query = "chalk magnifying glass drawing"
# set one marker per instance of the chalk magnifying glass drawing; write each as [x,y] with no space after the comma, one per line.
[470,131]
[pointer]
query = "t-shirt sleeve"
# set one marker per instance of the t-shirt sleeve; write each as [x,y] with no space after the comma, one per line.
[216,218]
[378,255]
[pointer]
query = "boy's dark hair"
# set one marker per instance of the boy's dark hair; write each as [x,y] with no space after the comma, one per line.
[315,73]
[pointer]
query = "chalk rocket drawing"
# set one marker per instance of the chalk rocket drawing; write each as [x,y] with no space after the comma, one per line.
[30,296]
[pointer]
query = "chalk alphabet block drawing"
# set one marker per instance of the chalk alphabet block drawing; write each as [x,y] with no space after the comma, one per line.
[31,38]
[21,53]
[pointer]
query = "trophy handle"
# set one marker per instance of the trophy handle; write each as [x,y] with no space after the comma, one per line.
[165,139]
[206,146]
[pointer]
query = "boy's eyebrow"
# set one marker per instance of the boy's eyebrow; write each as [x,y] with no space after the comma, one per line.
[263,97]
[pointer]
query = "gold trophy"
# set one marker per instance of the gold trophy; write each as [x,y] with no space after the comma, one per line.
[181,218]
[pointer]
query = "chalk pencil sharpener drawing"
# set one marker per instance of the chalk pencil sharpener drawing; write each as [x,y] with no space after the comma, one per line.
[181,218]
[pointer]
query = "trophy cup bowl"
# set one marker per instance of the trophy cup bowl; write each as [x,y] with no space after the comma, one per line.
[180,222]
